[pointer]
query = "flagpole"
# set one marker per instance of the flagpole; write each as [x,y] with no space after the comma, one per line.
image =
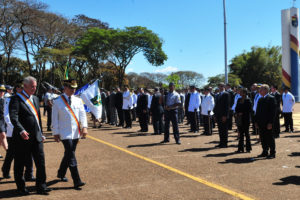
[225,41]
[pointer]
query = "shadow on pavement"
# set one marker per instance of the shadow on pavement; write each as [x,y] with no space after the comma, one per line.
[190,136]
[144,145]
[291,136]
[294,154]
[135,134]
[220,154]
[197,149]
[294,180]
[5,182]
[239,160]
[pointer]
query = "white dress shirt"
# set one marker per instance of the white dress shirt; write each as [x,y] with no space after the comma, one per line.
[257,97]
[9,125]
[127,100]
[207,104]
[149,100]
[236,98]
[195,102]
[288,101]
[63,122]
[134,100]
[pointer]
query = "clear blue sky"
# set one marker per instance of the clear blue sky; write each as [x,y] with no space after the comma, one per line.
[192,30]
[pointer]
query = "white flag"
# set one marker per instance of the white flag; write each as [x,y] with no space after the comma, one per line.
[92,99]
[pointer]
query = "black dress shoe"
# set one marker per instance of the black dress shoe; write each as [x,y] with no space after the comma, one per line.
[30,179]
[23,192]
[78,185]
[262,155]
[239,151]
[63,179]
[178,142]
[165,141]
[42,192]
[271,156]
[6,176]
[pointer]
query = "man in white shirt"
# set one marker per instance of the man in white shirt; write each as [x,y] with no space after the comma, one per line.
[288,101]
[127,106]
[68,111]
[193,109]
[134,104]
[207,107]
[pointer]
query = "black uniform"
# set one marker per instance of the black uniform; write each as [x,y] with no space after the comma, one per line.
[231,102]
[119,104]
[265,114]
[276,125]
[157,111]
[142,111]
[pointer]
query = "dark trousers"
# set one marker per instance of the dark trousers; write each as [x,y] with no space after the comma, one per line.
[107,108]
[193,116]
[229,123]
[171,115]
[267,140]
[23,152]
[9,158]
[127,117]
[133,113]
[207,120]
[120,116]
[223,131]
[180,115]
[276,124]
[288,121]
[143,120]
[157,121]
[69,160]
[49,116]
[244,132]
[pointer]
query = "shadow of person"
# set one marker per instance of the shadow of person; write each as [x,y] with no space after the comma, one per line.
[294,180]
[144,145]
[294,154]
[197,149]
[291,136]
[220,154]
[238,160]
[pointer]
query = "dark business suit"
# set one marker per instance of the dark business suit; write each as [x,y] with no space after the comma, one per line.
[2,122]
[157,111]
[265,114]
[276,125]
[142,111]
[119,104]
[222,109]
[231,102]
[23,119]
[186,106]
[243,111]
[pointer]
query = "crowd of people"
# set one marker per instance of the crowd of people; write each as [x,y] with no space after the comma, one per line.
[22,134]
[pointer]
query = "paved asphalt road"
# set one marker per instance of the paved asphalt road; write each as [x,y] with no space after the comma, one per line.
[120,163]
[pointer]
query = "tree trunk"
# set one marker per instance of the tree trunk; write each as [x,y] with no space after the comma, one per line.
[26,49]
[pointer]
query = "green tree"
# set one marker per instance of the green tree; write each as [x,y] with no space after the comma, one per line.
[175,79]
[260,65]
[120,46]
[233,80]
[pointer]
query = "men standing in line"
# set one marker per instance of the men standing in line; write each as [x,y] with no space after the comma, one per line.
[207,106]
[264,119]
[193,109]
[276,125]
[172,101]
[157,111]
[112,108]
[142,110]
[68,111]
[119,105]
[10,151]
[24,112]
[127,106]
[288,101]
[221,111]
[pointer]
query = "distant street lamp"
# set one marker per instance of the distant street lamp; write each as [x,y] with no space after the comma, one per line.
[225,42]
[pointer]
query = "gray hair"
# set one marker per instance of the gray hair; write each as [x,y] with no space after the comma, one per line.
[29,79]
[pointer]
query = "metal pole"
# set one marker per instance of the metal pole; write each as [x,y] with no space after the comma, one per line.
[225,42]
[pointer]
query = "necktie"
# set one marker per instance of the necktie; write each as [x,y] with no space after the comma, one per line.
[70,100]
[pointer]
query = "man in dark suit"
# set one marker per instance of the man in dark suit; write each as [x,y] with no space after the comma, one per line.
[221,110]
[277,96]
[186,105]
[231,95]
[119,105]
[27,137]
[264,120]
[142,110]
[157,111]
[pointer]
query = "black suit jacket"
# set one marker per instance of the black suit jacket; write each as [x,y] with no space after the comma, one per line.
[142,103]
[187,102]
[119,100]
[156,107]
[222,105]
[2,122]
[277,97]
[23,119]
[265,111]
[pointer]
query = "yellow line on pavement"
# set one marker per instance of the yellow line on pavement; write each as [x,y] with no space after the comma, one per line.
[200,180]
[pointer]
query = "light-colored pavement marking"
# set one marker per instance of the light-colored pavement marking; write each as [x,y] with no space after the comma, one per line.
[198,179]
